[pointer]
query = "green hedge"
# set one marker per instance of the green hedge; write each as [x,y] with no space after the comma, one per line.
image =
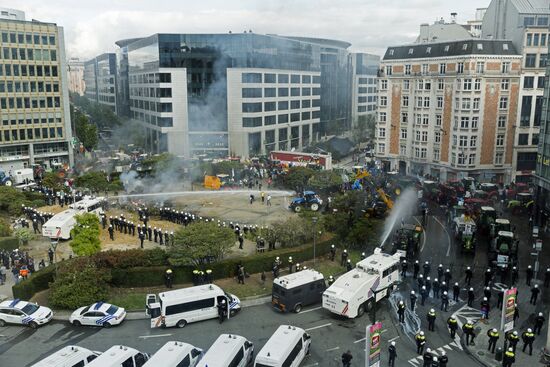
[37,282]
[8,243]
[149,276]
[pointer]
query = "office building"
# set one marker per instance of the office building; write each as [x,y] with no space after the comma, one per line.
[448,109]
[363,101]
[123,84]
[236,94]
[34,100]
[75,74]
[100,76]
[526,24]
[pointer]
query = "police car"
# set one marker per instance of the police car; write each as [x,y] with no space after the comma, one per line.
[98,314]
[24,313]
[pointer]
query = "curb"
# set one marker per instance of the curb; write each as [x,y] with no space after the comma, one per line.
[475,356]
[140,314]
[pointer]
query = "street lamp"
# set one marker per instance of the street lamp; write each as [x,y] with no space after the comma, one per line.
[314,220]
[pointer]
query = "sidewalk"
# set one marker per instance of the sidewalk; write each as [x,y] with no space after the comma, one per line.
[5,290]
[527,313]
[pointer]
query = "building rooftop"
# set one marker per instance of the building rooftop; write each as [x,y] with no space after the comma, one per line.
[440,31]
[127,41]
[531,6]
[448,49]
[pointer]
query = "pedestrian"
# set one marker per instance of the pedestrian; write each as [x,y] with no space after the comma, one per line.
[485,308]
[268,200]
[468,330]
[420,281]
[487,277]
[456,292]
[332,252]
[440,271]
[423,295]
[344,258]
[427,358]
[404,267]
[349,265]
[426,268]
[392,354]
[346,359]
[444,301]
[516,314]
[493,338]
[420,342]
[513,339]
[509,358]
[447,276]
[435,287]
[241,241]
[222,310]
[500,298]
[431,316]
[141,238]
[469,275]
[262,196]
[487,294]
[330,280]
[413,300]
[240,274]
[547,278]
[443,359]
[168,278]
[263,277]
[534,294]
[528,275]
[50,251]
[111,234]
[515,275]
[471,296]
[363,256]
[528,338]
[290,264]
[452,323]
[401,311]
[539,321]
[416,269]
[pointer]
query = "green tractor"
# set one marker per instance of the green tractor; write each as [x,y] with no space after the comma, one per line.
[522,204]
[500,224]
[503,250]
[464,230]
[455,212]
[406,241]
[486,219]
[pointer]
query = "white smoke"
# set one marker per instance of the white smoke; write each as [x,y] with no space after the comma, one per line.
[403,207]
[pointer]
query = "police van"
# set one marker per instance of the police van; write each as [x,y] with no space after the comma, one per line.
[24,313]
[60,225]
[294,291]
[70,356]
[287,347]
[359,289]
[175,354]
[229,351]
[182,306]
[120,356]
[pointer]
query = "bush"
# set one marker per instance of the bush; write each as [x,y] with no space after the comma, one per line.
[8,243]
[79,283]
[116,259]
[37,282]
[5,229]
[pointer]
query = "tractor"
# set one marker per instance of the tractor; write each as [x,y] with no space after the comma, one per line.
[500,224]
[486,218]
[503,250]
[308,200]
[5,180]
[406,240]
[522,204]
[464,229]
[455,212]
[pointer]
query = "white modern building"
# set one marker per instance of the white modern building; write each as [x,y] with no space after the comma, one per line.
[364,94]
[100,77]
[75,72]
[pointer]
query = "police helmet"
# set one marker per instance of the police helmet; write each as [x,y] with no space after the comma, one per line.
[412,292]
[540,313]
[510,349]
[427,262]
[432,310]
[428,278]
[485,298]
[536,285]
[494,330]
[422,333]
[445,293]
[456,283]
[428,350]
[400,302]
[393,343]
[529,330]
[472,289]
[468,268]
[421,276]
[169,271]
[515,332]
[436,280]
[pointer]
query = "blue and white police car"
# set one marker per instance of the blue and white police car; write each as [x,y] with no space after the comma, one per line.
[98,314]
[24,313]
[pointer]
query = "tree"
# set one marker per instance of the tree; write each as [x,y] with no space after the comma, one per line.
[79,282]
[294,231]
[297,178]
[325,180]
[198,241]
[85,131]
[85,235]
[12,200]
[53,181]
[94,181]
[5,229]
[24,235]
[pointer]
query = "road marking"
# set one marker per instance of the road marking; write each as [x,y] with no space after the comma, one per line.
[392,339]
[423,234]
[154,336]
[359,341]
[311,365]
[318,327]
[448,236]
[417,361]
[331,349]
[313,309]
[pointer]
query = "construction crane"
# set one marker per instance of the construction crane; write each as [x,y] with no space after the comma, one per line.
[385,198]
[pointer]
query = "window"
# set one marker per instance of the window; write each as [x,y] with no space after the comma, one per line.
[438,120]
[503,103]
[403,133]
[189,306]
[474,122]
[466,103]
[293,354]
[294,78]
[389,70]
[252,121]
[252,107]
[238,358]
[382,117]
[425,120]
[472,159]
[423,153]
[420,84]
[383,84]
[505,84]
[436,154]
[530,60]
[270,92]
[540,83]
[269,78]
[536,39]
[499,157]
[477,84]
[186,362]
[406,84]
[417,135]
[467,84]
[523,139]
[543,61]
[404,117]
[282,119]
[543,38]
[428,50]
[306,79]
[251,78]
[460,68]
[440,84]
[501,122]
[252,92]
[408,69]
[426,102]
[417,152]
[270,106]
[128,363]
[439,102]
[529,39]
[473,141]
[419,102]
[403,150]
[294,117]
[282,78]
[295,92]
[381,148]
[283,105]
[480,67]
[294,105]
[424,136]
[528,82]
[475,105]
[500,140]
[535,139]
[442,68]
[528,21]
[505,67]
[383,101]
[437,137]
[542,21]
[463,141]
[382,132]
[282,92]
[165,77]
[461,158]
[405,101]
[464,122]
[425,69]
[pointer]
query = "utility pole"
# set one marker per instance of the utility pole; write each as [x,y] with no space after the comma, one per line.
[314,219]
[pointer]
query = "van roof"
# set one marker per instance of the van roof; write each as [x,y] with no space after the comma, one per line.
[61,218]
[65,357]
[502,221]
[225,347]
[505,234]
[209,289]
[378,261]
[299,278]
[280,344]
[86,202]
[170,354]
[114,355]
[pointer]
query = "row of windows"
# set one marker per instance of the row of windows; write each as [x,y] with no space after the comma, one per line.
[31,134]
[529,82]
[31,54]
[280,106]
[13,120]
[365,90]
[153,120]
[151,78]
[189,306]
[505,67]
[280,119]
[531,60]
[28,87]
[280,78]
[540,20]
[366,108]
[523,139]
[367,81]
[151,106]
[151,92]
[367,99]
[30,102]
[28,38]
[28,70]
[281,92]
[536,39]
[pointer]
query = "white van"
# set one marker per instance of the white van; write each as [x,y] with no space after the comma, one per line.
[120,356]
[182,306]
[175,354]
[229,351]
[287,347]
[70,356]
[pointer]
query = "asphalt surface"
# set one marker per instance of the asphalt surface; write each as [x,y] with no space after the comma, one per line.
[331,336]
